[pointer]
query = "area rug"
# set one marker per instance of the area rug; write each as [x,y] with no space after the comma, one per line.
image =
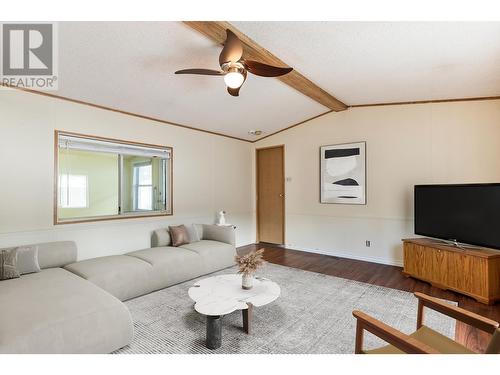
[312,315]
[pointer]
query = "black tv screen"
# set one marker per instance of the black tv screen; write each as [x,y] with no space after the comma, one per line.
[468,213]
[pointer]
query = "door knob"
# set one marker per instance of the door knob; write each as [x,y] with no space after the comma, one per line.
[281,195]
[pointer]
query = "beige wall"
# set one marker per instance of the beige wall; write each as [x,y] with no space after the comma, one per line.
[210,173]
[406,145]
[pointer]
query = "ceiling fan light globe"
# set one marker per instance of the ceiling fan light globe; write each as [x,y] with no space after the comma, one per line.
[234,79]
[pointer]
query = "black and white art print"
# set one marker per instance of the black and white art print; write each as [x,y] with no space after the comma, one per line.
[343,173]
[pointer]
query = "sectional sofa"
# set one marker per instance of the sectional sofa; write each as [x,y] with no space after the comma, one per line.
[75,306]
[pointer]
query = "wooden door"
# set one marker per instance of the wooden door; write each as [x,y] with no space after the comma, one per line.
[271,195]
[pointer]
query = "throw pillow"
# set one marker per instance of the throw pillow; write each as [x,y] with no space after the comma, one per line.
[179,235]
[8,264]
[192,233]
[27,259]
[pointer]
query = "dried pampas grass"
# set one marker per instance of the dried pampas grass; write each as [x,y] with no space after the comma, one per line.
[249,263]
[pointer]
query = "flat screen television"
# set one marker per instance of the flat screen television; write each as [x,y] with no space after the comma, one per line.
[466,213]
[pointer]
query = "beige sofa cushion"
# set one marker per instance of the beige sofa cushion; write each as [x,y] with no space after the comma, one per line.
[170,265]
[160,237]
[123,276]
[215,255]
[55,311]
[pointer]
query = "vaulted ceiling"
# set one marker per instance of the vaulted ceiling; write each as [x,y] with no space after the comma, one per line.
[130,66]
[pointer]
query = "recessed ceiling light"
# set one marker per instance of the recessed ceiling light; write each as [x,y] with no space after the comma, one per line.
[255,132]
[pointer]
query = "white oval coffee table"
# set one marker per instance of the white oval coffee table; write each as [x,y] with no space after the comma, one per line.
[220,295]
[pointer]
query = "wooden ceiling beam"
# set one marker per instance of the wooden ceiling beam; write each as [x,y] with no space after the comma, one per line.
[216,31]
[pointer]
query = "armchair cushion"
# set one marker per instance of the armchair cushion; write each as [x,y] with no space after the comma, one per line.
[430,337]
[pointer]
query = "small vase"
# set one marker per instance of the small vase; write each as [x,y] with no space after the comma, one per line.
[247,281]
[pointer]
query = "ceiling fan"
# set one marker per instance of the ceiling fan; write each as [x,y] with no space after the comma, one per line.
[234,68]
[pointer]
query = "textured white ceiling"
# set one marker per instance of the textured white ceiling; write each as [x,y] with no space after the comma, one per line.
[130,66]
[379,62]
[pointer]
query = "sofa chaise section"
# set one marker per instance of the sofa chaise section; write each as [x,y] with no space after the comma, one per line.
[56,311]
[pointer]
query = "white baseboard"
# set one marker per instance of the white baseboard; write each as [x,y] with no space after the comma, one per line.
[390,262]
[244,244]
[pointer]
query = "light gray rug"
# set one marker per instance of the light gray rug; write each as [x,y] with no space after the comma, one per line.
[312,315]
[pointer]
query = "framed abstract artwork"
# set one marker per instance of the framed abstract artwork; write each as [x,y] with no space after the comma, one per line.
[343,173]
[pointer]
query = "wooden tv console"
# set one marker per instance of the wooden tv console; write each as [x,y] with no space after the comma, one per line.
[474,272]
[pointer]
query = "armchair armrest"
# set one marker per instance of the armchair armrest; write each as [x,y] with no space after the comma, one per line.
[455,312]
[224,234]
[391,335]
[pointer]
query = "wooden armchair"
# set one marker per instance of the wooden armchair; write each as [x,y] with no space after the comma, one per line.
[424,340]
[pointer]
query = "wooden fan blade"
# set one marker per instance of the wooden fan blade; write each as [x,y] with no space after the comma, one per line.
[236,91]
[233,50]
[205,72]
[264,70]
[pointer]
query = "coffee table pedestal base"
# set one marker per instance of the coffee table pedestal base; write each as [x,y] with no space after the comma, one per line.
[214,332]
[247,318]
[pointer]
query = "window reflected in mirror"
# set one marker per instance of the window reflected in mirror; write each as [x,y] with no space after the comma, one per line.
[100,179]
[144,181]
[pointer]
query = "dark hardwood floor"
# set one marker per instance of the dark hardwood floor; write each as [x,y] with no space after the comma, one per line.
[382,275]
